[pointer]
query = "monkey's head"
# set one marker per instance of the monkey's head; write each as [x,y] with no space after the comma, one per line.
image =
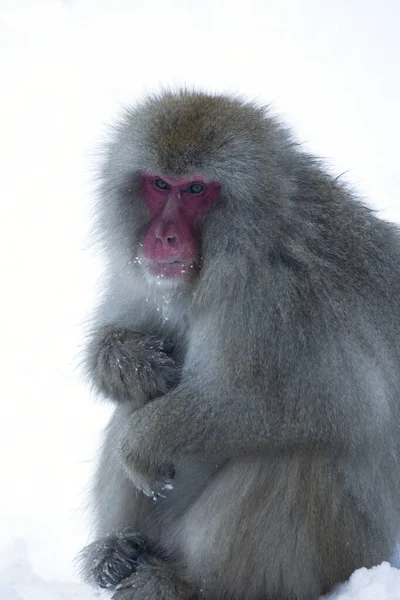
[183,175]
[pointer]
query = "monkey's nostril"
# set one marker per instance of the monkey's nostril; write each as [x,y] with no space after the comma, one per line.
[171,240]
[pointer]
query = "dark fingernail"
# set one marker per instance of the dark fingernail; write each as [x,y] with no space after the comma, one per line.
[167,346]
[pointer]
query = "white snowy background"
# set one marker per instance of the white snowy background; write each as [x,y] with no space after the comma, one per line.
[330,68]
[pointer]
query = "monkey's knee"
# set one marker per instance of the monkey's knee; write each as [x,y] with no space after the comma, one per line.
[154,581]
[276,528]
[108,561]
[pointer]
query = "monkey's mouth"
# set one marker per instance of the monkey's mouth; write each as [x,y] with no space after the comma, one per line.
[169,269]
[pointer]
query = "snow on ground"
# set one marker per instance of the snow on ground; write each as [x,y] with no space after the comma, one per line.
[379,583]
[18,581]
[66,66]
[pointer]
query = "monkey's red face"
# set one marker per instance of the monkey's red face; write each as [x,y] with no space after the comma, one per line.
[171,247]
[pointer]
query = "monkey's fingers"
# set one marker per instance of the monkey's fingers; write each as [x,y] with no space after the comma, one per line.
[157,374]
[108,561]
[156,483]
[167,485]
[166,346]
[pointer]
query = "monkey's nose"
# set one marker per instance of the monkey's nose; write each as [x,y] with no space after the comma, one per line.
[167,241]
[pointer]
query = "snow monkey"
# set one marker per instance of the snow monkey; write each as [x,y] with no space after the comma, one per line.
[249,336]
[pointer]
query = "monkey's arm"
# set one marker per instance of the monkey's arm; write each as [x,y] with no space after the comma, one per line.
[218,424]
[128,351]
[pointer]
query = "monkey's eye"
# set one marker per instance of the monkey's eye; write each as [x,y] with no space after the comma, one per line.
[161,184]
[195,188]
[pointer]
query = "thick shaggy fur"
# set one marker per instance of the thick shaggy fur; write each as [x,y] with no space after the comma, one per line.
[266,391]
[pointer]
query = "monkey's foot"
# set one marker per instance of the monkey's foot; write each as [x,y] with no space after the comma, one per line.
[154,581]
[110,560]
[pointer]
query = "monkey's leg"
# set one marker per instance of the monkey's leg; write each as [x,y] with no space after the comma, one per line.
[154,581]
[277,528]
[122,514]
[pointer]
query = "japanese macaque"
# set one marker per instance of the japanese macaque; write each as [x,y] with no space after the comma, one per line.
[249,336]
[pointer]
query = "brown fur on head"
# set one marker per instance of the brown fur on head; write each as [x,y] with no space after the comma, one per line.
[179,133]
[190,131]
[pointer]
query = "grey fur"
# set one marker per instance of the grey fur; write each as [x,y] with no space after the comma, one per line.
[283,422]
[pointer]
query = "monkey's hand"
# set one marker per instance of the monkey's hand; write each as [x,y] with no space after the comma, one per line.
[190,422]
[146,452]
[129,366]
